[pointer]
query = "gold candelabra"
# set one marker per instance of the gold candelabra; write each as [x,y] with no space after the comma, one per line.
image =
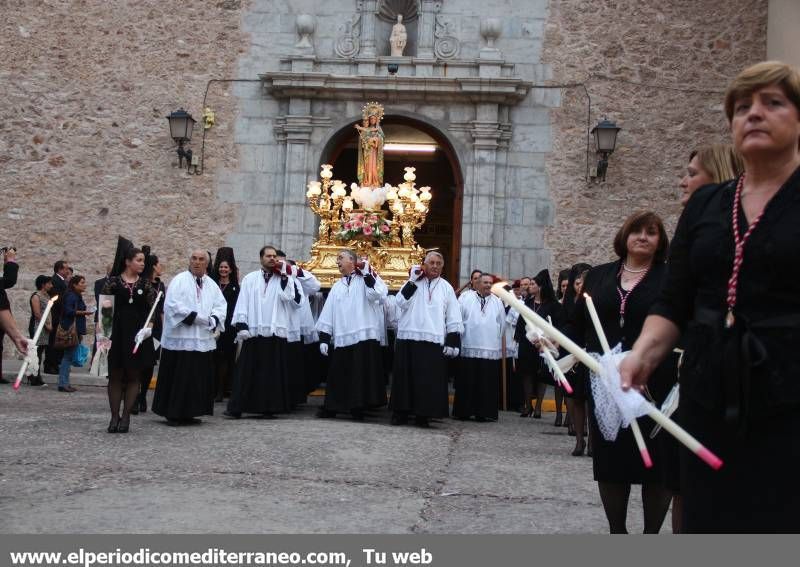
[391,253]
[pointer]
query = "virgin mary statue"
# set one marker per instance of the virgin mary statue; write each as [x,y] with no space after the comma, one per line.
[370,146]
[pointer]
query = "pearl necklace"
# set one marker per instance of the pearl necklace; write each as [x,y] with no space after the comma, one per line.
[632,271]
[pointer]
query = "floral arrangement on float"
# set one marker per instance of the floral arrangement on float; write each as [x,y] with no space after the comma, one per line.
[367,226]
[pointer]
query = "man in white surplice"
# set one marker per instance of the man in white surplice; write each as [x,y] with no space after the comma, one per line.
[428,330]
[265,370]
[477,379]
[352,324]
[194,311]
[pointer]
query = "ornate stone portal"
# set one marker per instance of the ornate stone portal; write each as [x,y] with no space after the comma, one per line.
[389,244]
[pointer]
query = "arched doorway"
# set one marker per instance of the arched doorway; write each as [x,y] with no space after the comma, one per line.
[437,168]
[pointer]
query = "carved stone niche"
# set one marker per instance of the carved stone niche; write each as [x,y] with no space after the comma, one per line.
[365,34]
[388,10]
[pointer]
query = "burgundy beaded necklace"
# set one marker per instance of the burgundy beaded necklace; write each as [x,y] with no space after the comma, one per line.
[624,295]
[738,255]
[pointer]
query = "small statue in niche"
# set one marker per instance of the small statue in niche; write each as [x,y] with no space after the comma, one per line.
[399,37]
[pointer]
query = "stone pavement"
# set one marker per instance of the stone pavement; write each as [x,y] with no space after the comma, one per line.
[62,473]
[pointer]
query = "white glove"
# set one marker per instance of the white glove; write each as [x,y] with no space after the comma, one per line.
[32,358]
[242,336]
[451,352]
[532,334]
[323,349]
[143,334]
[212,324]
[366,269]
[286,269]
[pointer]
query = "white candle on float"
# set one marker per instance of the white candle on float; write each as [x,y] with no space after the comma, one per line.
[35,340]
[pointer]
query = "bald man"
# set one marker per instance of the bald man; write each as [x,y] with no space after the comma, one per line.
[194,314]
[428,330]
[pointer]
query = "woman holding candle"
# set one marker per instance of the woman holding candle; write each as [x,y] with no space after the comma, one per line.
[74,312]
[133,296]
[38,303]
[623,292]
[728,291]
[152,272]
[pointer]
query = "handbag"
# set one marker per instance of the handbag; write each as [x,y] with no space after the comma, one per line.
[65,338]
[80,356]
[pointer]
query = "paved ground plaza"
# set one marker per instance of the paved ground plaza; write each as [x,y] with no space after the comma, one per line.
[62,473]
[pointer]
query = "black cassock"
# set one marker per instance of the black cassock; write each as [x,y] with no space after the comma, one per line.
[477,393]
[740,387]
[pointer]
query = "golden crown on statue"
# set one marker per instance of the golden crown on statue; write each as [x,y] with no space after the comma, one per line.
[372,109]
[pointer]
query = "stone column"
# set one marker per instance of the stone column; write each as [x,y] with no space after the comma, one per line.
[368,12]
[425,25]
[296,219]
[479,198]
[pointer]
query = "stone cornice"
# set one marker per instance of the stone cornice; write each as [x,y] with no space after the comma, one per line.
[500,90]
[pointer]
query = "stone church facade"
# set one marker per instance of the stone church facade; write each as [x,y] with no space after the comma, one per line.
[318,68]
[509,88]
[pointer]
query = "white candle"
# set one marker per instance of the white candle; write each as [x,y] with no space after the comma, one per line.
[549,330]
[35,340]
[598,328]
[149,317]
[673,428]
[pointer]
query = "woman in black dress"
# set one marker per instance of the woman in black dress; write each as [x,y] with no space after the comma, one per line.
[226,274]
[729,289]
[530,366]
[152,271]
[133,298]
[623,292]
[578,377]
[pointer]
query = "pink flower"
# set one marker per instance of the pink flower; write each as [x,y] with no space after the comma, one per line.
[360,216]
[347,226]
[367,230]
[373,219]
[357,224]
[385,228]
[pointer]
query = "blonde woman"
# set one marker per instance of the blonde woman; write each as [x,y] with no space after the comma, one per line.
[710,164]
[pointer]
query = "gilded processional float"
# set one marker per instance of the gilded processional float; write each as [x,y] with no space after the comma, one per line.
[358,220]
